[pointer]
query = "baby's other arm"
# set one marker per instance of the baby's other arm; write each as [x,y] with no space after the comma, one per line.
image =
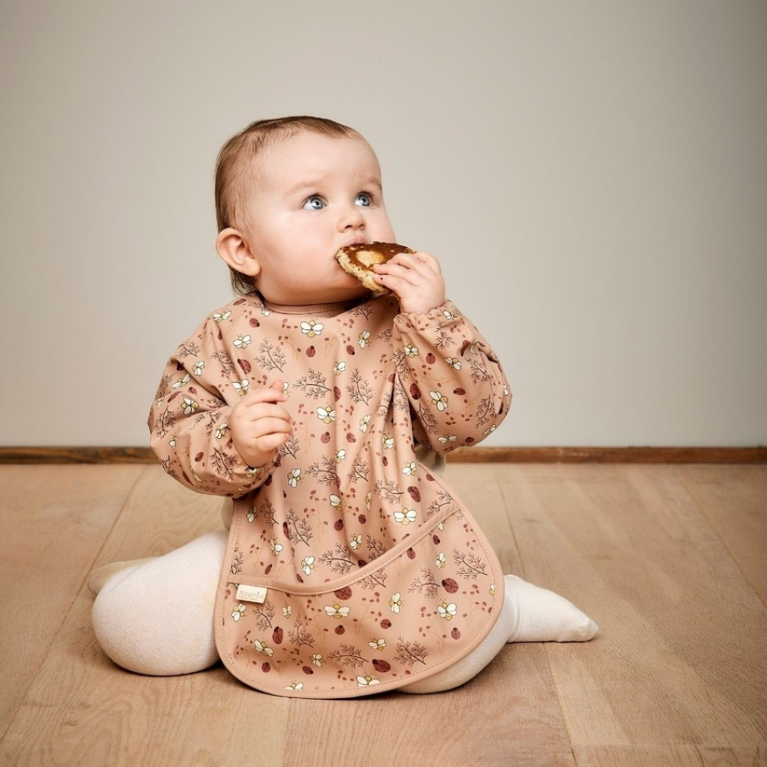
[452,377]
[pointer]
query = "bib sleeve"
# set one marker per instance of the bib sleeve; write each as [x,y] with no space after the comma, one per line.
[457,389]
[189,418]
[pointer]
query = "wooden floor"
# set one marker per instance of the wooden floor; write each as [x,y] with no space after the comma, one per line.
[671,561]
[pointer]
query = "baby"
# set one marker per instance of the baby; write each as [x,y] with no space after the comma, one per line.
[324,412]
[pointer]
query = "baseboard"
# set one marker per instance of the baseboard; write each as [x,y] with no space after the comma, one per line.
[671,455]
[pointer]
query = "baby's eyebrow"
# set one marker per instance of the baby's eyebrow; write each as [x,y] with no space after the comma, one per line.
[304,186]
[372,181]
[312,184]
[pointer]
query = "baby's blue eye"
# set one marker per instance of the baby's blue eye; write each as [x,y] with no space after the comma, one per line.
[364,200]
[314,203]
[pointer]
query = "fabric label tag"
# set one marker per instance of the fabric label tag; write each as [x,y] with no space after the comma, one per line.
[251,593]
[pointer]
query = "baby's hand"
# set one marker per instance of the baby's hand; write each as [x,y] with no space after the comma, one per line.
[416,280]
[259,424]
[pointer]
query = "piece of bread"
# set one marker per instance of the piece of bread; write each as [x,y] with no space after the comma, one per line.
[358,261]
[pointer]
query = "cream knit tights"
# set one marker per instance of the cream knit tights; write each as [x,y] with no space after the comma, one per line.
[156,616]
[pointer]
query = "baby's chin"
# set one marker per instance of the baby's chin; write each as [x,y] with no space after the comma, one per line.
[355,291]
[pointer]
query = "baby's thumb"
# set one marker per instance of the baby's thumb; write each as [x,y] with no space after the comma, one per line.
[278,385]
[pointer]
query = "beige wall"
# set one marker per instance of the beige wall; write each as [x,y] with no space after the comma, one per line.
[593,176]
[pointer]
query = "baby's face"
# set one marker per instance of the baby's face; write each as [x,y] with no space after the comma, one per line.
[313,195]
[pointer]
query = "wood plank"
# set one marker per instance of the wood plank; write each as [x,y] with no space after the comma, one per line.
[737,756]
[643,455]
[53,522]
[638,756]
[681,657]
[478,489]
[82,709]
[160,515]
[506,715]
[734,501]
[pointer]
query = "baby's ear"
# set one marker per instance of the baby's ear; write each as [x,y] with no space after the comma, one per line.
[235,250]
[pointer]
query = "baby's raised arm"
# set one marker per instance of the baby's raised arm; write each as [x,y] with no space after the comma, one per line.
[453,379]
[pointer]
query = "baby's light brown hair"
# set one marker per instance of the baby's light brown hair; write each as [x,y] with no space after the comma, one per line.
[234,177]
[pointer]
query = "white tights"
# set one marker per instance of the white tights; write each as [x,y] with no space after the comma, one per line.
[140,623]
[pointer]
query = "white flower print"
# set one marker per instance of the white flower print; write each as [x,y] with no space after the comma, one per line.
[295,686]
[263,648]
[326,414]
[441,561]
[182,382]
[312,328]
[339,368]
[406,516]
[251,472]
[492,589]
[447,611]
[411,351]
[506,390]
[338,612]
[307,565]
[198,367]
[366,681]
[238,612]
[221,430]
[448,438]
[317,660]
[219,317]
[364,422]
[340,455]
[172,442]
[242,342]
[158,403]
[274,545]
[294,477]
[335,501]
[355,542]
[454,362]
[241,387]
[377,644]
[265,311]
[189,406]
[287,611]
[364,338]
[388,442]
[409,468]
[490,430]
[448,315]
[438,399]
[395,602]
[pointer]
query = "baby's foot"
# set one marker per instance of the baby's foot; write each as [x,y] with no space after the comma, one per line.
[543,616]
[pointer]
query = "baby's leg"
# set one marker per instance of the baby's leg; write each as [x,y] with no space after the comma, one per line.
[529,614]
[156,617]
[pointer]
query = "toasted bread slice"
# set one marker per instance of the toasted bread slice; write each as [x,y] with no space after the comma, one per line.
[358,260]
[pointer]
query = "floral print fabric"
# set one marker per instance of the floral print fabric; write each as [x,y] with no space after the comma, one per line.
[373,572]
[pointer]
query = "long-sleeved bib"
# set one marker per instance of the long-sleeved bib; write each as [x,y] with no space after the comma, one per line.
[351,567]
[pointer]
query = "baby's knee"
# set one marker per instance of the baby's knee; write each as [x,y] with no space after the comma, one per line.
[143,633]
[122,631]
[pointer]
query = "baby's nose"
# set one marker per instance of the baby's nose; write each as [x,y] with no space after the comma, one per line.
[351,218]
